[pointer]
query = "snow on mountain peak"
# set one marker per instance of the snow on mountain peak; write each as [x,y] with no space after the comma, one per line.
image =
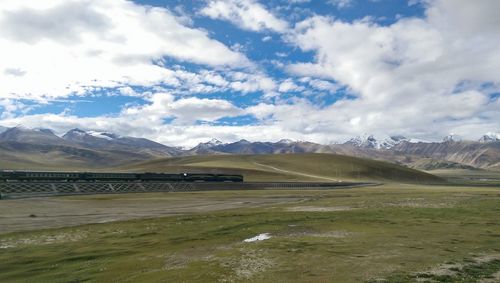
[102,135]
[209,144]
[452,138]
[77,132]
[214,142]
[369,141]
[490,137]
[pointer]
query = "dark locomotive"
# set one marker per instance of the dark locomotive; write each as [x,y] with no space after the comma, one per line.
[35,176]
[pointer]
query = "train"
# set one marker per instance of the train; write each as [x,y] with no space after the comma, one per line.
[39,176]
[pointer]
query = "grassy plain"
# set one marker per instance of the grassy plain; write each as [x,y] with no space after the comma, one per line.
[478,177]
[392,232]
[421,231]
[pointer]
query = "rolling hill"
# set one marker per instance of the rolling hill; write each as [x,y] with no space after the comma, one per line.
[289,167]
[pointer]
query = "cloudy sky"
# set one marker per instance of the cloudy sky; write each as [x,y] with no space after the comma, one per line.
[181,72]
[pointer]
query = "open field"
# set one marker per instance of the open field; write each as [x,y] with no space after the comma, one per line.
[423,231]
[394,232]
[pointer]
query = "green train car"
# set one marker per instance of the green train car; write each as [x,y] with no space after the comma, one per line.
[40,176]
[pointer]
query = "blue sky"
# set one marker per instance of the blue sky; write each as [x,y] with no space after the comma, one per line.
[181,72]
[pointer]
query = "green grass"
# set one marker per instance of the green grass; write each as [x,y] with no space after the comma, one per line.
[291,167]
[478,177]
[391,232]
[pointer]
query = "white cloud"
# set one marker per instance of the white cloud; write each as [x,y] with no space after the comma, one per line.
[288,85]
[247,14]
[408,77]
[340,4]
[53,48]
[12,107]
[322,85]
[143,121]
[420,77]
[266,38]
[184,110]
[245,82]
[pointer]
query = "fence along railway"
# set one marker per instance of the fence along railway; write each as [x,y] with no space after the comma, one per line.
[22,184]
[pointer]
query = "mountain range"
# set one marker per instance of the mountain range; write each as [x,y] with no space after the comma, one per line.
[21,145]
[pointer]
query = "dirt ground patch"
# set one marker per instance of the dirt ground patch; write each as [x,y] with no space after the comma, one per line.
[329,234]
[319,208]
[247,265]
[495,278]
[421,203]
[44,239]
[56,212]
[454,269]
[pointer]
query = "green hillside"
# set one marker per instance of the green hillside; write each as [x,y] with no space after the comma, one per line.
[289,167]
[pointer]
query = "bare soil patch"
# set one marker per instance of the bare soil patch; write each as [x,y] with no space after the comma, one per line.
[56,212]
[319,208]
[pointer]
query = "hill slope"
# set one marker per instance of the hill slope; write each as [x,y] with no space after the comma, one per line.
[289,167]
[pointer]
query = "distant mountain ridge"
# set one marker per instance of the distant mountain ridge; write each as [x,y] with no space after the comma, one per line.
[109,148]
[110,141]
[77,148]
[452,152]
[26,135]
[369,141]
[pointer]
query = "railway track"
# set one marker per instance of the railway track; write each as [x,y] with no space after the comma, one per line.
[9,190]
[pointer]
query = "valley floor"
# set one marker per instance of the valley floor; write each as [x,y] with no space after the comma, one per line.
[389,233]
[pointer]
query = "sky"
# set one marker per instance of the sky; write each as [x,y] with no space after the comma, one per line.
[182,72]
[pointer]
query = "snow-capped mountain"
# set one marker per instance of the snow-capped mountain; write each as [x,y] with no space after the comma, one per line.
[90,138]
[23,134]
[106,140]
[80,135]
[286,141]
[211,143]
[369,141]
[103,135]
[206,147]
[452,138]
[490,137]
[365,141]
